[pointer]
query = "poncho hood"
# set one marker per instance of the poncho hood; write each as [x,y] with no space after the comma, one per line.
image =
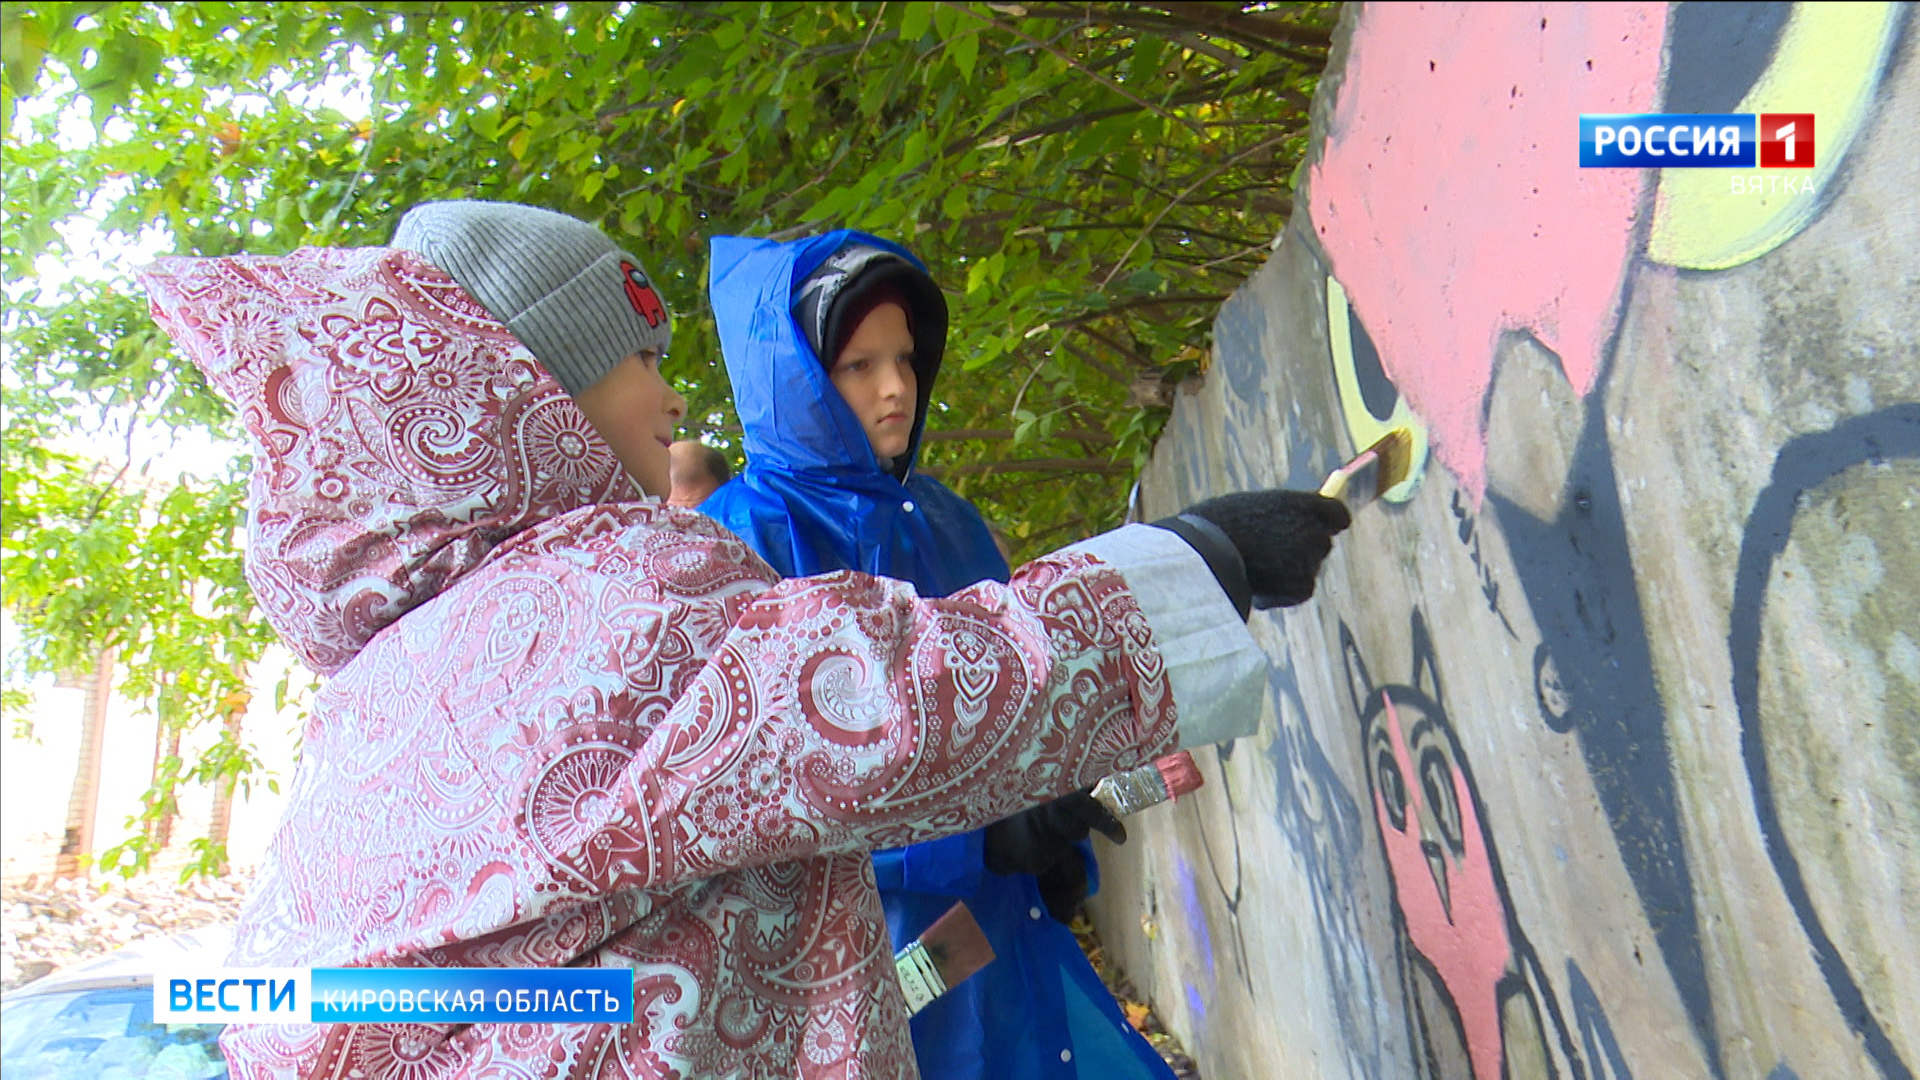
[813,497]
[400,432]
[787,404]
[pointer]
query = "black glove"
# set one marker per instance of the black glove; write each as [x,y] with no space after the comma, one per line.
[1039,841]
[1034,840]
[1264,547]
[1063,886]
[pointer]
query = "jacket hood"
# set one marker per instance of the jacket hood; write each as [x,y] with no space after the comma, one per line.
[813,497]
[400,432]
[792,415]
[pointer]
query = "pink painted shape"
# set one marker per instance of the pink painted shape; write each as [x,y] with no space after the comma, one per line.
[1469,948]
[1451,202]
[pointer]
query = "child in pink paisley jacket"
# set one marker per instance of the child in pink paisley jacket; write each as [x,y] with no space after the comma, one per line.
[566,724]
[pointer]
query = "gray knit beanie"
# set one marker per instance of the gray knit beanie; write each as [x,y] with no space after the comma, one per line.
[577,302]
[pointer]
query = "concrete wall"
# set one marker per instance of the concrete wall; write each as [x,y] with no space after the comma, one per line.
[1598,754]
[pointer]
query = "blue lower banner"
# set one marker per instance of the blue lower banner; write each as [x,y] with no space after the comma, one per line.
[393,995]
[472,995]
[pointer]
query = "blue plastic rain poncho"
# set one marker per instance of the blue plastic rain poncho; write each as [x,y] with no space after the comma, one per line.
[814,498]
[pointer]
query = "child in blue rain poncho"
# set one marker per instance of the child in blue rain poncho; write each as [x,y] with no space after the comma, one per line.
[832,344]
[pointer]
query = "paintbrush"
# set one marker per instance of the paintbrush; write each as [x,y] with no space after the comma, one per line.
[1149,785]
[954,947]
[942,957]
[1376,470]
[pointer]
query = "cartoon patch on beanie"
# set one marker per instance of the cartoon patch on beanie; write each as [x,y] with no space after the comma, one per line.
[641,295]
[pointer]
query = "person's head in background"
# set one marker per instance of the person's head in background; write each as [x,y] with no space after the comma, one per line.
[878,323]
[1000,542]
[698,471]
[583,307]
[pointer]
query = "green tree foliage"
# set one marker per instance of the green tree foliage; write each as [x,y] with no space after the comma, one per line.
[1087,181]
[96,559]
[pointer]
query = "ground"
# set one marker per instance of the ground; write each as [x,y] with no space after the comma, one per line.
[1139,1012]
[50,924]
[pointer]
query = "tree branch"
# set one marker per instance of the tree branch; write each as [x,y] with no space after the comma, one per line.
[1146,366]
[1268,37]
[1170,226]
[1247,22]
[1251,249]
[1078,66]
[1099,365]
[839,155]
[1078,521]
[1100,466]
[1079,435]
[797,231]
[1201,45]
[1191,188]
[1209,92]
[1140,302]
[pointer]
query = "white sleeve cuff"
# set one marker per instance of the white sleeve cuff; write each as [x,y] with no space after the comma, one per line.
[1215,671]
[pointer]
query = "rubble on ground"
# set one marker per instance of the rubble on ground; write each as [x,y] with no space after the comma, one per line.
[49,924]
[1139,1013]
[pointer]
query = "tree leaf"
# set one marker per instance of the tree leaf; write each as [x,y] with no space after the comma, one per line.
[964,49]
[914,20]
[23,47]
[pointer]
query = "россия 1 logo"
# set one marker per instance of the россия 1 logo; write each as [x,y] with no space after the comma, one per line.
[1696,141]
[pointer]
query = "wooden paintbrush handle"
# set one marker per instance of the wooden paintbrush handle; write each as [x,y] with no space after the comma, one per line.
[1336,485]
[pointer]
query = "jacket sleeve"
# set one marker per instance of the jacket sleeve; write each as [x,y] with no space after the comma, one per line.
[626,706]
[844,712]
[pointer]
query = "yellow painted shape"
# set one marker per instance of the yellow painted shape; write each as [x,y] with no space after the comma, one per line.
[1828,63]
[1362,427]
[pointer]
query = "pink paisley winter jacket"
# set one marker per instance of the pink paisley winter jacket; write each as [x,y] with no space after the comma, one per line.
[564,724]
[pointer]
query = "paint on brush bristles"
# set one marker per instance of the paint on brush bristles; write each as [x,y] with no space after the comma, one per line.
[1149,785]
[1180,774]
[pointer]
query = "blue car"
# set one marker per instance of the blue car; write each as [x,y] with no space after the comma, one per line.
[94,1021]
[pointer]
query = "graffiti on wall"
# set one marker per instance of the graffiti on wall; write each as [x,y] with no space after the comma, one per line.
[1556,271]
[1877,449]
[1480,1004]
[1668,456]
[1439,267]
[1321,821]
